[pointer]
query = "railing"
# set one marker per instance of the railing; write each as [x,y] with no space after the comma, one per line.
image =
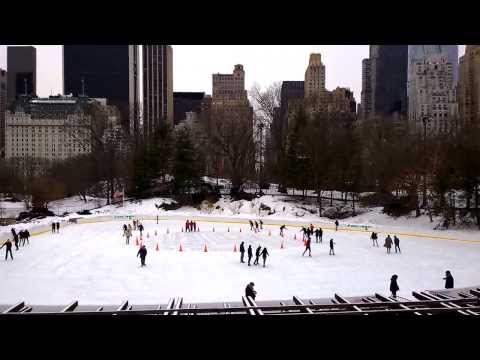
[458,302]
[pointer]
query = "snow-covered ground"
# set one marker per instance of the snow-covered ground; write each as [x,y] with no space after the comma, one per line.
[92,264]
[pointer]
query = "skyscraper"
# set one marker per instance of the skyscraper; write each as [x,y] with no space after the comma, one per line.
[105,71]
[384,81]
[314,76]
[420,52]
[469,86]
[3,109]
[157,86]
[22,71]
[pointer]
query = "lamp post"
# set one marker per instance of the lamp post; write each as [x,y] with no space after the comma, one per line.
[426,121]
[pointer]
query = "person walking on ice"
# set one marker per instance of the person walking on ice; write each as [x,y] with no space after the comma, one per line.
[143,254]
[394,286]
[264,255]
[374,238]
[140,228]
[261,224]
[124,229]
[15,239]
[336,225]
[448,280]
[257,255]
[250,254]
[396,241]
[307,247]
[8,249]
[249,291]
[388,243]
[332,251]
[251,225]
[53,227]
[58,227]
[242,252]
[281,230]
[256,227]
[128,235]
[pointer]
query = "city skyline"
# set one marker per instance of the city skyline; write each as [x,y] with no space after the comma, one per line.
[193,65]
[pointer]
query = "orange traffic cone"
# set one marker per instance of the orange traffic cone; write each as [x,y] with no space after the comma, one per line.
[157,248]
[235,248]
[180,248]
[281,245]
[205,248]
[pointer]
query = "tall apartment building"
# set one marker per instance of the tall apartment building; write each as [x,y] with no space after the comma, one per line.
[3,109]
[105,71]
[420,52]
[186,102]
[157,86]
[432,94]
[468,92]
[52,129]
[22,71]
[384,81]
[314,76]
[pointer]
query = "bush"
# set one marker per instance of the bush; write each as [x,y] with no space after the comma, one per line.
[399,206]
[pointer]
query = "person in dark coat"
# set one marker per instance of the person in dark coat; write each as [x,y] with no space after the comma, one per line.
[256,226]
[249,291]
[264,255]
[58,227]
[281,230]
[194,226]
[8,249]
[257,255]
[27,236]
[140,228]
[396,241]
[15,240]
[332,251]
[388,243]
[305,232]
[242,252]
[336,225]
[320,233]
[307,247]
[261,224]
[124,229]
[53,227]
[448,280]
[251,225]
[250,254]
[143,254]
[394,286]
[374,238]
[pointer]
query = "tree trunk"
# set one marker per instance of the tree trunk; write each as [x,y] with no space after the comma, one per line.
[331,198]
[319,197]
[477,214]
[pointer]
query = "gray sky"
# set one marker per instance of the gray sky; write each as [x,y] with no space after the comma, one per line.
[193,65]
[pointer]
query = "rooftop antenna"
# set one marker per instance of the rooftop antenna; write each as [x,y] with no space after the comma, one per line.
[83,86]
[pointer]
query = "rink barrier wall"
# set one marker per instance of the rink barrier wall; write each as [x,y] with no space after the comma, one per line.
[42,229]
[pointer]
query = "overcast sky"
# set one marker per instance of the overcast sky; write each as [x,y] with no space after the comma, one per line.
[193,65]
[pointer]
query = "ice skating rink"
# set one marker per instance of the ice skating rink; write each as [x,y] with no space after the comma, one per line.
[92,264]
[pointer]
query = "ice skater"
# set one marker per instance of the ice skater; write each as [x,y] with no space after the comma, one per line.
[448,280]
[15,239]
[305,232]
[58,227]
[251,225]
[261,224]
[194,226]
[336,225]
[24,235]
[242,252]
[140,228]
[124,229]
[332,250]
[257,255]
[396,241]
[388,243]
[394,286]
[281,230]
[264,255]
[143,254]
[53,227]
[374,238]
[249,291]
[8,249]
[307,247]
[128,235]
[250,254]
[134,224]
